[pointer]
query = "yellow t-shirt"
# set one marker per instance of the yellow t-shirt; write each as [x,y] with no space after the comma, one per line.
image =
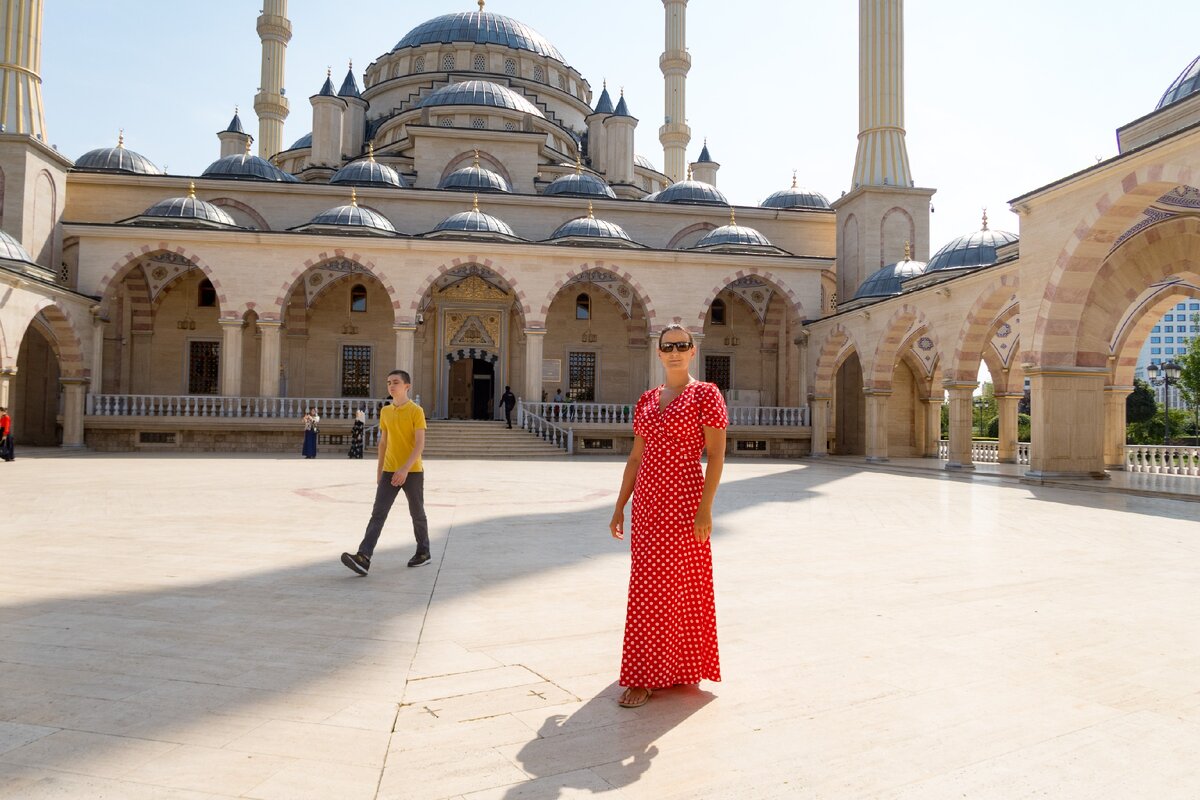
[401,425]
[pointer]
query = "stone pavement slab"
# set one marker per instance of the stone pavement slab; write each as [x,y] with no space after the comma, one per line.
[179,626]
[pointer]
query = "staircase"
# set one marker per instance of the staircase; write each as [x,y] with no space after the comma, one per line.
[484,440]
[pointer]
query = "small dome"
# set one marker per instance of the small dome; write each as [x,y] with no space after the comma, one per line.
[652,196]
[475,179]
[972,250]
[116,159]
[887,282]
[245,167]
[797,198]
[474,221]
[351,217]
[189,209]
[579,184]
[690,191]
[1186,84]
[302,142]
[368,172]
[479,93]
[480,27]
[11,249]
[590,228]
[733,235]
[644,163]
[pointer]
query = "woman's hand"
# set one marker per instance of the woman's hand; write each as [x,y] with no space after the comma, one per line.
[616,526]
[703,525]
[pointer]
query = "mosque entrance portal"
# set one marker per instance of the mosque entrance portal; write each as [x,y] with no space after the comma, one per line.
[472,387]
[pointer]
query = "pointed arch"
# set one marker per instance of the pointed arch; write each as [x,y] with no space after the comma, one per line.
[65,337]
[995,300]
[635,286]
[340,260]
[119,268]
[887,351]
[833,350]
[531,320]
[792,301]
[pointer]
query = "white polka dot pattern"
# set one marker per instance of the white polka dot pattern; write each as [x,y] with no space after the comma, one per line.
[671,623]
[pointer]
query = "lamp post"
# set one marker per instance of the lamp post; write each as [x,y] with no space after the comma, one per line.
[979,404]
[1165,375]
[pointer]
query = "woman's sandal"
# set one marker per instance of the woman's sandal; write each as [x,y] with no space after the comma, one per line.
[635,704]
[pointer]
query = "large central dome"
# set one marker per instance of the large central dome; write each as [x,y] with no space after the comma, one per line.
[480,27]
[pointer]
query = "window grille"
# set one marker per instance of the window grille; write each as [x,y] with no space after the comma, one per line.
[510,67]
[478,123]
[510,125]
[448,61]
[204,367]
[717,369]
[446,122]
[581,377]
[562,82]
[539,74]
[480,62]
[419,64]
[356,370]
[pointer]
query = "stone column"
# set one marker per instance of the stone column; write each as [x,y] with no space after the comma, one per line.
[819,409]
[933,427]
[801,342]
[1114,425]
[535,339]
[74,390]
[877,424]
[1006,405]
[231,357]
[655,374]
[405,348]
[270,358]
[97,384]
[1067,411]
[962,396]
[7,376]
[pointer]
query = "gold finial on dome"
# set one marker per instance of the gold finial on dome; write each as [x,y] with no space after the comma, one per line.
[351,67]
[248,142]
[591,214]
[732,217]
[475,162]
[480,6]
[371,150]
[475,203]
[793,179]
[121,138]
[907,250]
[354,197]
[689,172]
[985,218]
[329,72]
[192,190]
[578,163]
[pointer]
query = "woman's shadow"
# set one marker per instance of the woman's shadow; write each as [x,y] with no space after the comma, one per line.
[602,746]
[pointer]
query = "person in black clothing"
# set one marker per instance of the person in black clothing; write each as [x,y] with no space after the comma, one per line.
[509,401]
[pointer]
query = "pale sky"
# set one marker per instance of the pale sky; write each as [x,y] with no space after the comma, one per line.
[1002,96]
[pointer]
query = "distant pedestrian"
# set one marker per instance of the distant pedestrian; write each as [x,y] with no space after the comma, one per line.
[401,442]
[6,442]
[509,401]
[312,422]
[356,433]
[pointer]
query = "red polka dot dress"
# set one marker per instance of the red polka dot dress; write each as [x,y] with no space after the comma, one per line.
[671,623]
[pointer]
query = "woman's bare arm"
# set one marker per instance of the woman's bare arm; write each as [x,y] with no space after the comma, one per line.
[617,525]
[714,443]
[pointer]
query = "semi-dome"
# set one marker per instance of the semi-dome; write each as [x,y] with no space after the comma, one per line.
[116,159]
[691,191]
[11,250]
[368,172]
[591,231]
[887,282]
[579,184]
[971,251]
[475,179]
[797,198]
[1186,84]
[474,222]
[188,209]
[302,142]
[733,235]
[352,218]
[246,167]
[480,93]
[480,27]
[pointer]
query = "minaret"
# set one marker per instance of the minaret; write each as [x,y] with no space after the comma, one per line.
[21,90]
[882,158]
[275,30]
[883,209]
[675,63]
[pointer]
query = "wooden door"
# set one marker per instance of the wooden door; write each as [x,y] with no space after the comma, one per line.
[459,405]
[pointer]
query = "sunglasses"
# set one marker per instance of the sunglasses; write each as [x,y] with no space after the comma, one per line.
[667,347]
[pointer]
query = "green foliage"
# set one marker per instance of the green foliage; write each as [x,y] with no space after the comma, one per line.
[1151,431]
[1140,405]
[945,420]
[1189,375]
[1023,424]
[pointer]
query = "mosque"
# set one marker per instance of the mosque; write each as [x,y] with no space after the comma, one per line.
[469,208]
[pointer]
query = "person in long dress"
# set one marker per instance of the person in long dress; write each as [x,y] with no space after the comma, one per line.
[312,421]
[671,621]
[356,433]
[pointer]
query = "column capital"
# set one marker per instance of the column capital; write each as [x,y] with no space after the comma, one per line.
[400,327]
[1114,388]
[1074,372]
[872,392]
[232,323]
[8,372]
[951,386]
[269,324]
[801,338]
[75,381]
[534,331]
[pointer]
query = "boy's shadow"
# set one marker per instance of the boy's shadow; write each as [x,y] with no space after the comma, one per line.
[621,742]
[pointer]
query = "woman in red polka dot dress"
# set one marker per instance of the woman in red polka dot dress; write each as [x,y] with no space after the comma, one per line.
[671,623]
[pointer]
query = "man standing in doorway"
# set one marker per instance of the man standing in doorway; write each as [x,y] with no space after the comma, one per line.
[401,441]
[509,401]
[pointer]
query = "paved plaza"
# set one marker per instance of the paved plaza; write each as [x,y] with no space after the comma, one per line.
[180,627]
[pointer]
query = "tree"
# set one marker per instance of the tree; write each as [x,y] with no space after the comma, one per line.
[1189,375]
[1140,405]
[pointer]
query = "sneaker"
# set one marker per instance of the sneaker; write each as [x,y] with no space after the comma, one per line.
[357,562]
[419,560]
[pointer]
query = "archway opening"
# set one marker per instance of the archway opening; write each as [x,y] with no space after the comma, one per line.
[850,409]
[36,400]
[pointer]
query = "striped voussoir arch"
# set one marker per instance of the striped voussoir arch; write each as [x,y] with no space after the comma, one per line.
[639,291]
[976,329]
[835,348]
[414,304]
[791,300]
[67,343]
[113,275]
[887,351]
[289,285]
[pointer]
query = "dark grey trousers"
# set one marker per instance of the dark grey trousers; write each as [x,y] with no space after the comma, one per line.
[385,496]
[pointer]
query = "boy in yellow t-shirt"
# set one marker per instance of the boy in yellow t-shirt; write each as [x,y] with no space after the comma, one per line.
[401,441]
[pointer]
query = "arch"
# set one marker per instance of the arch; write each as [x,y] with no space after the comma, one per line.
[792,302]
[260,222]
[1133,331]
[339,260]
[639,291]
[123,265]
[1075,269]
[973,336]
[914,342]
[676,242]
[45,218]
[467,157]
[895,332]
[888,227]
[849,272]
[65,338]
[837,345]
[415,303]
[145,308]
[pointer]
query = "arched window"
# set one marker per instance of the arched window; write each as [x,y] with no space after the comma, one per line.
[583,307]
[716,314]
[419,64]
[358,298]
[539,74]
[206,295]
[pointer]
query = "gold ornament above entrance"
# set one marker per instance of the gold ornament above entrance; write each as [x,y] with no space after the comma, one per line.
[473,287]
[473,329]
